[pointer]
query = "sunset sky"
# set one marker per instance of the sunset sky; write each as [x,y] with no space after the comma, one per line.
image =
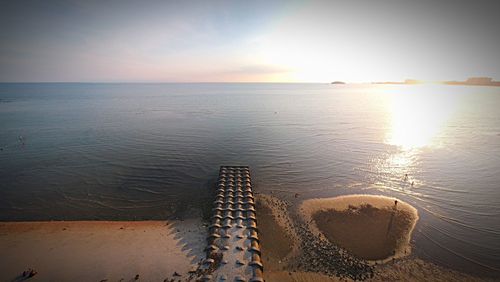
[238,41]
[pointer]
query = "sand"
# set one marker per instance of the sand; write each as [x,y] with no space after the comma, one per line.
[369,227]
[118,251]
[100,250]
[280,261]
[279,243]
[414,269]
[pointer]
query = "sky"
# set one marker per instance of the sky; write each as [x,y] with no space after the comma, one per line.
[248,41]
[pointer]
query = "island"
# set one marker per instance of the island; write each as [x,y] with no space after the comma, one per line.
[479,81]
[473,81]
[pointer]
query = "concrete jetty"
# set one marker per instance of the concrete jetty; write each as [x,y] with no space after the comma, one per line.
[233,251]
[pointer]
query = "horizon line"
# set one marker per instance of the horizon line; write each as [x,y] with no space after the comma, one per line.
[247,82]
[173,82]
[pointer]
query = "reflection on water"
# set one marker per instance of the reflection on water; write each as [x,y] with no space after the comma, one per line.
[142,151]
[417,119]
[422,121]
[418,116]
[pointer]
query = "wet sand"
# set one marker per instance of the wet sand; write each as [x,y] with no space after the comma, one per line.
[155,250]
[288,264]
[100,250]
[347,220]
[279,242]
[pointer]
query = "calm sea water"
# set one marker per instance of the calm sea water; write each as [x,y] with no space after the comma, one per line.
[143,151]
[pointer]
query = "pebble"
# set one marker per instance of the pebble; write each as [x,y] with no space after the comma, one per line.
[319,255]
[239,262]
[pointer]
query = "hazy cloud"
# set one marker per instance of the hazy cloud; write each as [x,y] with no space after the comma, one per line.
[251,40]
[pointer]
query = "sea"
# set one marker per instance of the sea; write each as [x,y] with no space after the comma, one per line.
[131,151]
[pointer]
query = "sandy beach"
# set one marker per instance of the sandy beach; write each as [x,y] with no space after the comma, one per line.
[292,264]
[347,220]
[171,250]
[101,250]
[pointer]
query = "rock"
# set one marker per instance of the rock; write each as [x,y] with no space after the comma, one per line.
[238,262]
[32,273]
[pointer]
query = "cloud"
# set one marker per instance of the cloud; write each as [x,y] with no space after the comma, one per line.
[225,40]
[259,69]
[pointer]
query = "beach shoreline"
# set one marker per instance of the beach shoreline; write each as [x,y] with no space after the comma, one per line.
[173,249]
[346,220]
[101,250]
[280,214]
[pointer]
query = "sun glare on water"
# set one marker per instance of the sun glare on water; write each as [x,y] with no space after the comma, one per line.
[418,116]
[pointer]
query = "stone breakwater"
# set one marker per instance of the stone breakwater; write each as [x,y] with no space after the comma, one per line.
[233,251]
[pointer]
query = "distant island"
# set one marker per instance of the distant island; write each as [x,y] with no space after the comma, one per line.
[338,82]
[475,81]
[484,81]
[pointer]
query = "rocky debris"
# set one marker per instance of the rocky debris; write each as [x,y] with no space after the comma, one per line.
[239,278]
[316,253]
[29,273]
[320,255]
[238,262]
